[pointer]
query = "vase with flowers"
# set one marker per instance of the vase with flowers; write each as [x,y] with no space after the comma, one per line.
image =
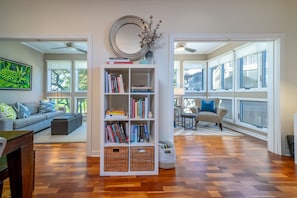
[148,37]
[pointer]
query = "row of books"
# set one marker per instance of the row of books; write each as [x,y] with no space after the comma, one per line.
[139,107]
[118,60]
[114,83]
[116,133]
[139,133]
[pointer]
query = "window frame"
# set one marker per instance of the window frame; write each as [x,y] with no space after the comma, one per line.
[248,125]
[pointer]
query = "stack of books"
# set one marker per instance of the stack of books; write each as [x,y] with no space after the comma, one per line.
[115,114]
[118,60]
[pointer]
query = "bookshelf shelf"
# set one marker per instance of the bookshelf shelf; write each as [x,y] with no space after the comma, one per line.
[129,128]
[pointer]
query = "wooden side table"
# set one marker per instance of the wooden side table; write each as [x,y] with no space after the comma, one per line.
[20,161]
[190,117]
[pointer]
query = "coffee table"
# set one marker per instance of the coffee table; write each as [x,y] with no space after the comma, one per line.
[64,125]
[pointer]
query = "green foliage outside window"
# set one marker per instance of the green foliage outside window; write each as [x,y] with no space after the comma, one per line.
[60,80]
[82,79]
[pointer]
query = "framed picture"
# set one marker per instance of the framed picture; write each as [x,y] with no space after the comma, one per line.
[15,75]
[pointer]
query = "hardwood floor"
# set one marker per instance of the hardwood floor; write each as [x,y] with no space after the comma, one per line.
[206,166]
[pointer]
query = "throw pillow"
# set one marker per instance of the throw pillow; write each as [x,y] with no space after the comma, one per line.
[208,105]
[7,111]
[47,106]
[21,110]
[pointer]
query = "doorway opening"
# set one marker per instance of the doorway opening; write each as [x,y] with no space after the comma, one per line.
[72,92]
[202,58]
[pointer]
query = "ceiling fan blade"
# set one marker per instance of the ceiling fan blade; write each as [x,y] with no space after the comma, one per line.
[81,50]
[190,50]
[59,47]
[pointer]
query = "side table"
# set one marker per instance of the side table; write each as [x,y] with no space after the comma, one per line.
[190,118]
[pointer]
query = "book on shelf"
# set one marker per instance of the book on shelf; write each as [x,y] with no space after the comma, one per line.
[139,108]
[139,133]
[114,83]
[116,133]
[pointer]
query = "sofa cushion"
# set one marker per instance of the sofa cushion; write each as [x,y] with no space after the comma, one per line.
[46,106]
[8,111]
[21,110]
[50,115]
[19,123]
[208,105]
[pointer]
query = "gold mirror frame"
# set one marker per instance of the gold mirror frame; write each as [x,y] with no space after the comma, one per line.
[118,24]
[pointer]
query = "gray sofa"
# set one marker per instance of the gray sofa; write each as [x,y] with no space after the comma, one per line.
[36,122]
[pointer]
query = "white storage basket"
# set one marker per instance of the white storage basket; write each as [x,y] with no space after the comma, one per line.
[167,155]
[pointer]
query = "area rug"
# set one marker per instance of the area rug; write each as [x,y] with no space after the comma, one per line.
[206,129]
[78,135]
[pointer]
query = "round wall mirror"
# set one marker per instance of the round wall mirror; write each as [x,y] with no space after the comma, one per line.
[124,39]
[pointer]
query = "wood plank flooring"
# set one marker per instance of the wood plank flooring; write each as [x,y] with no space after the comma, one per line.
[206,166]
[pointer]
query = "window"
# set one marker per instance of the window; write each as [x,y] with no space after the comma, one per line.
[221,72]
[59,76]
[81,105]
[188,103]
[252,64]
[67,84]
[176,77]
[249,71]
[194,75]
[81,76]
[253,112]
[227,104]
[228,75]
[62,102]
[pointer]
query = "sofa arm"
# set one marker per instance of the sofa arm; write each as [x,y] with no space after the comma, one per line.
[6,124]
[221,113]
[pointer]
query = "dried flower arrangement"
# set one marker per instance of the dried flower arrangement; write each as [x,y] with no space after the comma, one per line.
[149,35]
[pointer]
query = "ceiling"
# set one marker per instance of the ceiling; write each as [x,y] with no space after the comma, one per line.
[80,47]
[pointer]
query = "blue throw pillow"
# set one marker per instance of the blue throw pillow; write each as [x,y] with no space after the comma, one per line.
[208,105]
[47,106]
[21,110]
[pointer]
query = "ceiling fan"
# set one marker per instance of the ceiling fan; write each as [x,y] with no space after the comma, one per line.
[183,45]
[71,45]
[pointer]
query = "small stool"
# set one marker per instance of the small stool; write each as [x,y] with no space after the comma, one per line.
[191,118]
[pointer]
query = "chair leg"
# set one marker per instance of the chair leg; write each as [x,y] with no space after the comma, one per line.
[1,188]
[221,127]
[196,123]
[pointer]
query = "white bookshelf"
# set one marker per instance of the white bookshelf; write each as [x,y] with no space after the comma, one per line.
[129,143]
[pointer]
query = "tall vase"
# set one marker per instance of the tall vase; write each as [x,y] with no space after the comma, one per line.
[149,56]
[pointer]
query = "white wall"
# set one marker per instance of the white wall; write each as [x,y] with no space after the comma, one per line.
[15,51]
[93,18]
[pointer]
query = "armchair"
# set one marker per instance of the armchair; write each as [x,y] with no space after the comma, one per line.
[207,110]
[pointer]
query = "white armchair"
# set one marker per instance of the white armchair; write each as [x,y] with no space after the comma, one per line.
[207,110]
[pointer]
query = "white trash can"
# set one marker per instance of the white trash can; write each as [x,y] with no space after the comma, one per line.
[167,155]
